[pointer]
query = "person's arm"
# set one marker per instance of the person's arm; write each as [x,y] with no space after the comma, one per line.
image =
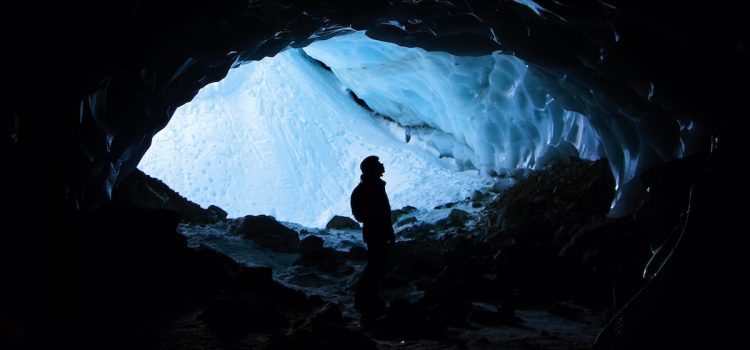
[390,234]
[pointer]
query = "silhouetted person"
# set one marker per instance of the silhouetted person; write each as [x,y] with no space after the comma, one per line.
[371,207]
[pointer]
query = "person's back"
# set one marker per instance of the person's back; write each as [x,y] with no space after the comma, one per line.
[370,206]
[374,209]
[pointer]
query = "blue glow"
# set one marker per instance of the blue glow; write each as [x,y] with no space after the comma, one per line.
[283,136]
[531,5]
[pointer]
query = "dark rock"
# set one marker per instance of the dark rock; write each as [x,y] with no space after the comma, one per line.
[327,315]
[334,337]
[232,317]
[268,233]
[395,214]
[502,315]
[446,205]
[322,330]
[413,259]
[408,320]
[461,273]
[456,218]
[216,212]
[394,281]
[312,253]
[310,245]
[566,311]
[139,190]
[449,307]
[255,276]
[357,253]
[477,196]
[418,232]
[481,343]
[211,271]
[502,185]
[607,245]
[567,194]
[342,222]
[135,268]
[409,220]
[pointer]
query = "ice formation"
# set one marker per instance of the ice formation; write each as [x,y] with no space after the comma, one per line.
[283,136]
[487,112]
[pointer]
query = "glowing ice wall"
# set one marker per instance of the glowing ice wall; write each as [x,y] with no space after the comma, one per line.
[487,112]
[282,136]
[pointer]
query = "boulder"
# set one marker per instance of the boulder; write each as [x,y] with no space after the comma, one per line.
[268,233]
[395,214]
[216,212]
[342,222]
[456,218]
[409,220]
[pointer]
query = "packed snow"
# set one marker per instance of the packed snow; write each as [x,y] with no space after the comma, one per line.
[284,137]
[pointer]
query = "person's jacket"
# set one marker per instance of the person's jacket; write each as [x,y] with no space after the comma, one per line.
[376,209]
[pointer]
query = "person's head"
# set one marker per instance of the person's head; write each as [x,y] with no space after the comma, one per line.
[371,166]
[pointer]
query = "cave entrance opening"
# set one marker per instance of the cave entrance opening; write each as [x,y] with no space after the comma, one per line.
[284,136]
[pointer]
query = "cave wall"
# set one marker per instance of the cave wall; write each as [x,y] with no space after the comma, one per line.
[633,67]
[90,82]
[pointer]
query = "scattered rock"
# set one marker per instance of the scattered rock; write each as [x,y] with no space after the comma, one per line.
[566,194]
[357,253]
[418,232]
[395,214]
[478,196]
[139,190]
[405,319]
[322,330]
[446,205]
[501,185]
[329,314]
[234,316]
[566,311]
[216,212]
[310,245]
[456,218]
[409,220]
[342,222]
[313,253]
[268,233]
[502,315]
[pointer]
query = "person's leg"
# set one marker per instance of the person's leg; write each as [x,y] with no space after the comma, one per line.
[366,300]
[376,256]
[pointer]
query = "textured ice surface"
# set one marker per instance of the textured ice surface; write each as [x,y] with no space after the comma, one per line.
[487,112]
[494,113]
[283,137]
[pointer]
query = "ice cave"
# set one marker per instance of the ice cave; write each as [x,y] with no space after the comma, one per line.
[443,123]
[560,174]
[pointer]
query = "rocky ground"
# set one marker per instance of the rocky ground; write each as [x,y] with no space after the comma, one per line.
[535,265]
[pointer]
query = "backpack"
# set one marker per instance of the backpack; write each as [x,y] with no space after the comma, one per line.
[358,204]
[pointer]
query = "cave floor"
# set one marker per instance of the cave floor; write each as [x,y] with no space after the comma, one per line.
[539,329]
[540,324]
[437,273]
